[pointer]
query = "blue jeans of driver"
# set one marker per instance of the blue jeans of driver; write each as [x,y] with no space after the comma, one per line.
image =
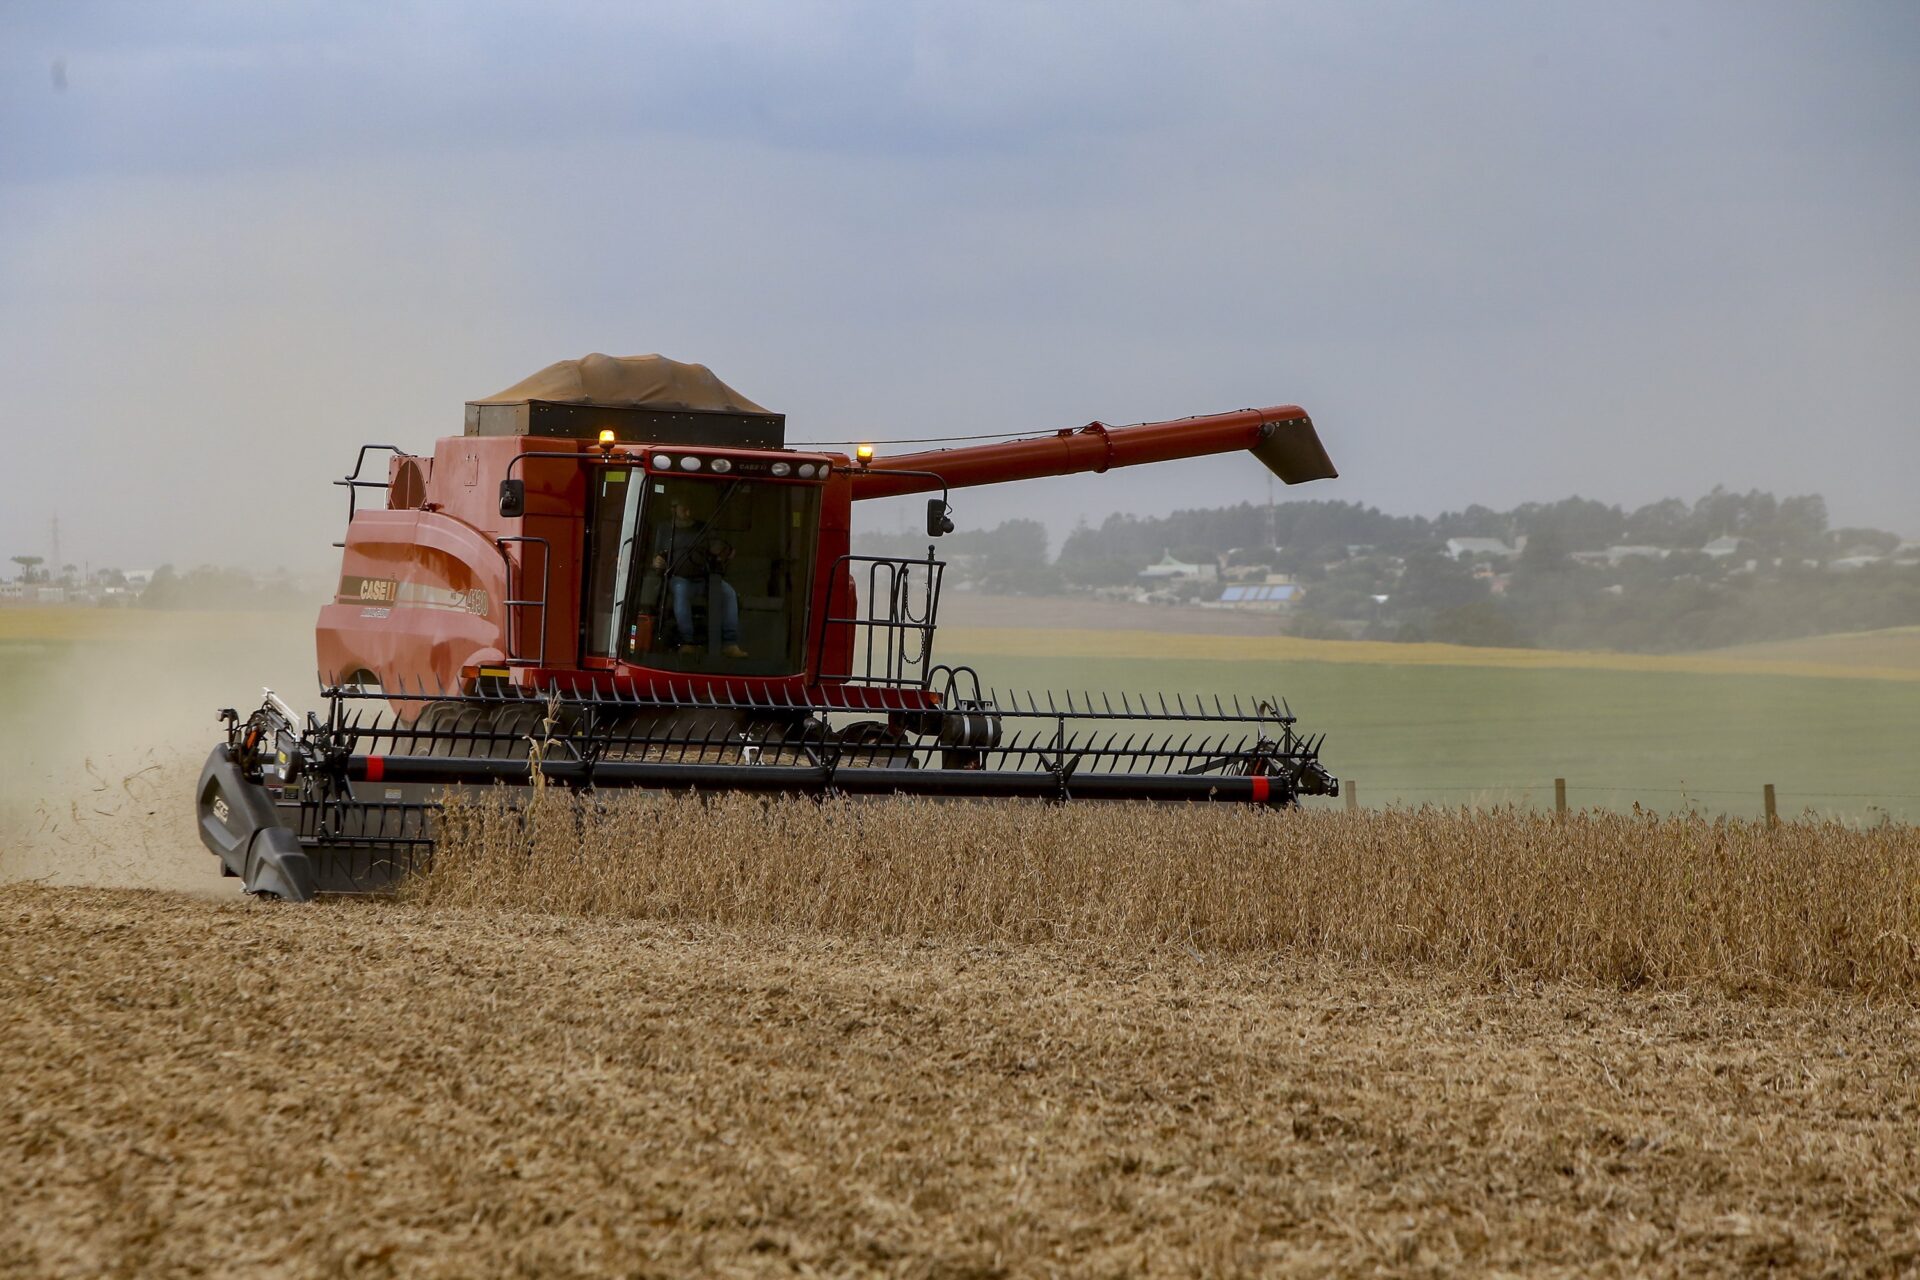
[729,602]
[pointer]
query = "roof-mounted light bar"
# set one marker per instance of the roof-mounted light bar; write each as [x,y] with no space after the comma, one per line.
[743,466]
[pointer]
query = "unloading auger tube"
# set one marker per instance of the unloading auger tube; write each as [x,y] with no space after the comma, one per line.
[346,803]
[618,575]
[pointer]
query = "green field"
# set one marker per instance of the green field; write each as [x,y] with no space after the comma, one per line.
[1483,735]
[1433,729]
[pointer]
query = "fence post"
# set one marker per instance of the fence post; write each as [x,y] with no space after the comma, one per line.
[1559,797]
[1352,789]
[1773,813]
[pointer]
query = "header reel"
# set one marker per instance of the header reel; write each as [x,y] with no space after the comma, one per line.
[347,803]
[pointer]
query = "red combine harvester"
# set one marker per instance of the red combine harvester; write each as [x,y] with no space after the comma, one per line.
[619,575]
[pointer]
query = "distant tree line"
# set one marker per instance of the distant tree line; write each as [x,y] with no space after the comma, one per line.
[203,587]
[213,587]
[1008,559]
[1777,584]
[1318,532]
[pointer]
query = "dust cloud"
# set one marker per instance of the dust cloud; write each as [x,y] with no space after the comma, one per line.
[103,733]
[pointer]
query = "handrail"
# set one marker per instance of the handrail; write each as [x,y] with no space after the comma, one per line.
[889,631]
[511,602]
[352,481]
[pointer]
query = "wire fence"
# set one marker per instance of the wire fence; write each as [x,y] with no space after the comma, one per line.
[1566,795]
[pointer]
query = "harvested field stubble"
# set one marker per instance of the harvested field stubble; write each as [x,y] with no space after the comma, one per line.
[195,1087]
[1625,900]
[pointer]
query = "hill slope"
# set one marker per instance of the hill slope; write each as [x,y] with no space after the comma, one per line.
[1893,648]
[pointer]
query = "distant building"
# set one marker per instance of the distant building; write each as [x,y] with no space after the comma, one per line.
[1467,548]
[1847,564]
[1721,548]
[1170,570]
[13,591]
[1613,557]
[1267,597]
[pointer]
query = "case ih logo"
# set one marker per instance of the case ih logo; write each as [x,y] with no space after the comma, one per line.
[413,595]
[220,809]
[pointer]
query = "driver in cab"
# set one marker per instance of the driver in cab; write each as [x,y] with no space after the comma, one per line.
[683,551]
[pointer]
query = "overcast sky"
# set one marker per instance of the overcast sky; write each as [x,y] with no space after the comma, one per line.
[1502,252]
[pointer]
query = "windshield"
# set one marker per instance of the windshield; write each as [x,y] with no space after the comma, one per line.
[701,574]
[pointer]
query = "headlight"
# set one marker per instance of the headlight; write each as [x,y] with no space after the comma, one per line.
[662,462]
[806,471]
[722,466]
[780,469]
[689,464]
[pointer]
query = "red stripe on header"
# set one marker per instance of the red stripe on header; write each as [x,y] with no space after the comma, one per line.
[376,768]
[1262,788]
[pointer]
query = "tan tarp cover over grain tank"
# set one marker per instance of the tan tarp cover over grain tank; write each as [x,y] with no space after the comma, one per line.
[638,382]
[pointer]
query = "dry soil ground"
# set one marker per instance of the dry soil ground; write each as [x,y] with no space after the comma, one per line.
[206,1087]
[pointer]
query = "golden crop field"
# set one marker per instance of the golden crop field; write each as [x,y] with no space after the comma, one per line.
[1892,648]
[1613,899]
[1892,654]
[53,623]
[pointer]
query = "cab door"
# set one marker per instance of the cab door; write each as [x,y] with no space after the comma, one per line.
[615,498]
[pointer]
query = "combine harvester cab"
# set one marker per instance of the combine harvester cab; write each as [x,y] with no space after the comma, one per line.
[618,575]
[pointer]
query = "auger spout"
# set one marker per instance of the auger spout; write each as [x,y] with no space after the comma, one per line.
[1281,437]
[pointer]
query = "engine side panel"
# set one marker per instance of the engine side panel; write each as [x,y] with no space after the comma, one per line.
[421,595]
